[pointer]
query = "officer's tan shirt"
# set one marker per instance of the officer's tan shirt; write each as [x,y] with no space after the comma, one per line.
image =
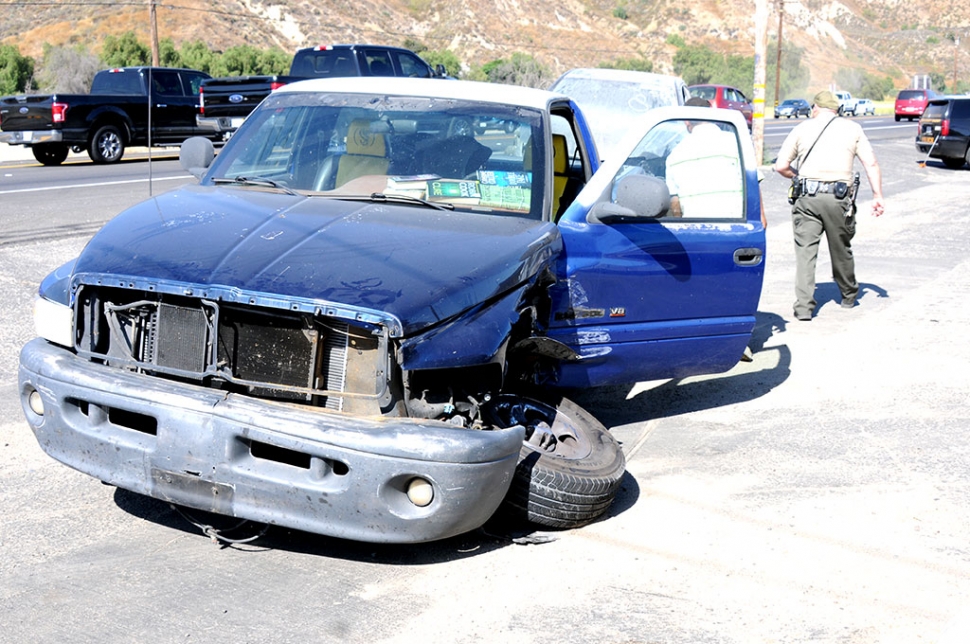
[833,156]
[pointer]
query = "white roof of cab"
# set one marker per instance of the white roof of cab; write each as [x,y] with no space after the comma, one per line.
[430,88]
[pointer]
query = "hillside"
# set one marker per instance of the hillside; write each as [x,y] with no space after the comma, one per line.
[880,36]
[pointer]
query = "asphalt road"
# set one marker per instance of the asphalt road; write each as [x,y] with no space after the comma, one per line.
[820,493]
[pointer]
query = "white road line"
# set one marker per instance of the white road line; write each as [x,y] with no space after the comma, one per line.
[92,185]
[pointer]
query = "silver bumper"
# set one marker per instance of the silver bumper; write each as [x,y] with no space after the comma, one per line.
[220,124]
[305,468]
[31,137]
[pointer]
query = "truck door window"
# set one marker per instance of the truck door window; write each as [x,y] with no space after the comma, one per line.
[191,83]
[166,84]
[379,63]
[412,66]
[700,162]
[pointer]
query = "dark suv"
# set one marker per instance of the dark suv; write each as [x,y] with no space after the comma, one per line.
[944,131]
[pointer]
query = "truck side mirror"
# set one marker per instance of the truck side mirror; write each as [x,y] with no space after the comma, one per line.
[439,70]
[635,197]
[195,155]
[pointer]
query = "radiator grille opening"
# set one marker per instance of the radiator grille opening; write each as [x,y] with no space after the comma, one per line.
[260,351]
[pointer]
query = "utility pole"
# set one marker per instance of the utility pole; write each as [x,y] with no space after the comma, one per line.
[781,14]
[956,47]
[153,22]
[760,47]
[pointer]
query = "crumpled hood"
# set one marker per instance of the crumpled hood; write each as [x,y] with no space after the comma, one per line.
[417,264]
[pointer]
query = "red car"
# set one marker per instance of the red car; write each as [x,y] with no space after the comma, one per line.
[724,97]
[911,102]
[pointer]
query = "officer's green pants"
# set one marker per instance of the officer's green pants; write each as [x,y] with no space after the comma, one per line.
[811,216]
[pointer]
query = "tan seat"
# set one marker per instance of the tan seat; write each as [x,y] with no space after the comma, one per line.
[366,153]
[560,158]
[560,162]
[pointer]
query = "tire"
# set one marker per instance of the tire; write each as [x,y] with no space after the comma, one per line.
[510,127]
[50,153]
[954,163]
[897,118]
[107,145]
[571,481]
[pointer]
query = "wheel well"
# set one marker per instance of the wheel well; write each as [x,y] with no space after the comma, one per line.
[115,121]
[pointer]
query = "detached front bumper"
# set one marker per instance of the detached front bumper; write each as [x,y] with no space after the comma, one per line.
[305,468]
[31,137]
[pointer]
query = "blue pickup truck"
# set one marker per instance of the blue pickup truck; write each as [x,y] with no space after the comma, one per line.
[365,320]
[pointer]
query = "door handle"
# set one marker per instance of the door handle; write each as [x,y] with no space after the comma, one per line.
[748,256]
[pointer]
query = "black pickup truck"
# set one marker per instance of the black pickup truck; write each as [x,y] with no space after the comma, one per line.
[119,112]
[225,102]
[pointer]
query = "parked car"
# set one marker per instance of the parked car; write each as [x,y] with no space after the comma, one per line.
[944,131]
[725,97]
[609,97]
[793,107]
[910,103]
[126,106]
[361,324]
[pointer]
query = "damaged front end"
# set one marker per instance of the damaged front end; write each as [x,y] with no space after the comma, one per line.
[290,411]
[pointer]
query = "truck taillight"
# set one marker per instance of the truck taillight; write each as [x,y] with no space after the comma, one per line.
[202,100]
[945,127]
[275,85]
[58,111]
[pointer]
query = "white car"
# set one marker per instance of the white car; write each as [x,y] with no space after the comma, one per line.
[864,106]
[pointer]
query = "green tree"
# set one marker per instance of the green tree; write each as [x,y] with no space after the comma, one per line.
[938,81]
[274,61]
[125,51]
[197,55]
[521,69]
[16,71]
[698,64]
[414,45]
[245,60]
[444,57]
[634,64]
[794,77]
[168,56]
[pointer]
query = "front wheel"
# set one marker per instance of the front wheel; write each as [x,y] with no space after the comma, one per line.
[570,466]
[107,145]
[50,153]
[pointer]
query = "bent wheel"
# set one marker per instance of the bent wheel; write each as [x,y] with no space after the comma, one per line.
[569,468]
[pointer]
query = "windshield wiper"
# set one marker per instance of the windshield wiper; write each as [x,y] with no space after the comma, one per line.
[257,181]
[380,196]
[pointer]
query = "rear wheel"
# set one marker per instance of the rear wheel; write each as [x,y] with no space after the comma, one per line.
[107,145]
[569,468]
[953,163]
[50,153]
[897,118]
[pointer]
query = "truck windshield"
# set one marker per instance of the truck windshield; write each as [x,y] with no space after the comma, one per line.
[474,156]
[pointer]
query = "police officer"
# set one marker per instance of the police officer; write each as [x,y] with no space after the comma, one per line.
[818,156]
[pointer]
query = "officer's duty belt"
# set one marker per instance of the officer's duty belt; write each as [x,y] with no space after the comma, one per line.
[812,187]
